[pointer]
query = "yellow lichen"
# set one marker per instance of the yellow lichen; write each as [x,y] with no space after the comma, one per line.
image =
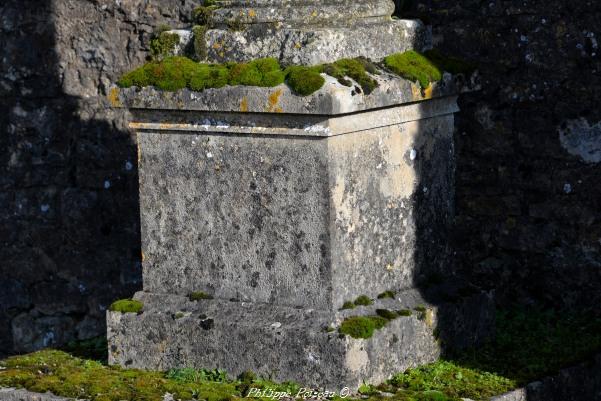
[244,105]
[428,92]
[274,99]
[113,97]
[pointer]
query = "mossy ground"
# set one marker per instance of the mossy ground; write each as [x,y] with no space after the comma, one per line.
[68,376]
[174,73]
[530,344]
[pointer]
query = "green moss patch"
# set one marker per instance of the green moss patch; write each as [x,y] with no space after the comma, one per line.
[199,43]
[163,43]
[387,294]
[263,72]
[348,305]
[387,314]
[361,326]
[171,73]
[126,306]
[363,300]
[356,69]
[66,376]
[414,66]
[199,295]
[304,80]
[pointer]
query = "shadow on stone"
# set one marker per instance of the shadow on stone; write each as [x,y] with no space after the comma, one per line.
[68,193]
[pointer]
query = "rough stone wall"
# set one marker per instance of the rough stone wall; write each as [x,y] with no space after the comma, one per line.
[528,145]
[528,154]
[69,225]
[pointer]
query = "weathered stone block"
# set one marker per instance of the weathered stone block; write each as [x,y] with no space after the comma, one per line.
[311,218]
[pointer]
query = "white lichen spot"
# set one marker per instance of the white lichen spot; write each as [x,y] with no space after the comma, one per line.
[567,188]
[582,139]
[317,129]
[276,325]
[107,184]
[311,357]
[209,155]
[45,208]
[19,111]
[48,339]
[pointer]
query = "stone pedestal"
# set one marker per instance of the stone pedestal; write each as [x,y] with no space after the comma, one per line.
[282,217]
[282,209]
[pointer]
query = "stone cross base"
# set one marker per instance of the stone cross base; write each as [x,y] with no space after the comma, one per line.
[285,343]
[283,209]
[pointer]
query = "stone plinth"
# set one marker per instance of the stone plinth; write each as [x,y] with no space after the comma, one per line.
[282,208]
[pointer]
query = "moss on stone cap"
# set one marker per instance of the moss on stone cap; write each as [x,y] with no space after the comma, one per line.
[356,69]
[304,80]
[175,72]
[265,72]
[126,306]
[414,66]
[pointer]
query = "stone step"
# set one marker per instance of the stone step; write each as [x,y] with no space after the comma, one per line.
[285,343]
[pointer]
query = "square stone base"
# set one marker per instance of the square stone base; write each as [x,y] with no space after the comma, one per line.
[286,343]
